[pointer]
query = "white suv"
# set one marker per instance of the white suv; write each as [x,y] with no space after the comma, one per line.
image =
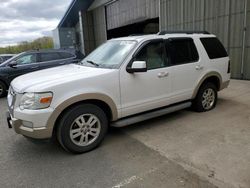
[124,81]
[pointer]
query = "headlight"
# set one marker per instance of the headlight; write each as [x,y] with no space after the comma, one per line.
[35,101]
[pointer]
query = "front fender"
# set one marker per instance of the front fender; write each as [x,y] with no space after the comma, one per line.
[81,98]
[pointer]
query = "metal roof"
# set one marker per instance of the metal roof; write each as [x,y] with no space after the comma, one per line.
[71,16]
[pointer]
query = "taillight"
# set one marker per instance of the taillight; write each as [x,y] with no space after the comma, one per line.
[229,67]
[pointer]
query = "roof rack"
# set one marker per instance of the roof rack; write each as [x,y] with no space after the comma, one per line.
[183,32]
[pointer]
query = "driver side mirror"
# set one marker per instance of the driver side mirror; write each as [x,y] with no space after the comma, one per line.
[137,66]
[13,64]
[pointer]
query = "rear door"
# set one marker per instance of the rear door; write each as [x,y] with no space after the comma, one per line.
[53,59]
[49,59]
[186,67]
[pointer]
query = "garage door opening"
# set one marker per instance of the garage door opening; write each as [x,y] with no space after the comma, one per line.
[146,27]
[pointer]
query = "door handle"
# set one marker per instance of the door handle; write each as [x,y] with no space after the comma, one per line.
[61,63]
[162,74]
[198,67]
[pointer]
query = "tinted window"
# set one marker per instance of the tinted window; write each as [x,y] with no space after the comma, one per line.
[183,51]
[153,55]
[65,55]
[214,48]
[49,56]
[26,59]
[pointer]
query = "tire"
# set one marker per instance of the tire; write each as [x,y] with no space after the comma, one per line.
[3,89]
[82,128]
[206,98]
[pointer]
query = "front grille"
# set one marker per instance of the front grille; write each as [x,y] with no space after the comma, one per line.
[11,100]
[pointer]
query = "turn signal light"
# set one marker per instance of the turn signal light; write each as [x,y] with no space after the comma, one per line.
[45,100]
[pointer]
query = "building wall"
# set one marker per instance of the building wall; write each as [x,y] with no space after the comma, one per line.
[64,38]
[224,18]
[247,52]
[99,25]
[125,12]
[88,32]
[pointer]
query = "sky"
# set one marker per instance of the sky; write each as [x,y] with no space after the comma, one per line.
[26,20]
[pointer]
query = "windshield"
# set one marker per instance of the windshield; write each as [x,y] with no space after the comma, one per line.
[109,55]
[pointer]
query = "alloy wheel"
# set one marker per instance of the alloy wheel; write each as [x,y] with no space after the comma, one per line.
[85,129]
[208,99]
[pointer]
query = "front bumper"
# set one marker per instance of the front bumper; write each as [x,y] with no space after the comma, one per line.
[37,133]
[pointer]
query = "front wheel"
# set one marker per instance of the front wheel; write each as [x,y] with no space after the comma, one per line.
[82,128]
[206,98]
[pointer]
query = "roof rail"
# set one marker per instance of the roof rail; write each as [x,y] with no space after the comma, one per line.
[183,32]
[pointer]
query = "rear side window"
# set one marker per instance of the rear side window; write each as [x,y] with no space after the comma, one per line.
[49,56]
[182,51]
[214,48]
[65,55]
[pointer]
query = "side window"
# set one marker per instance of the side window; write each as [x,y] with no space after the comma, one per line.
[182,51]
[49,56]
[26,59]
[153,54]
[214,48]
[65,55]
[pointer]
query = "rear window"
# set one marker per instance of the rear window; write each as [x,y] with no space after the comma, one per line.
[214,48]
[183,51]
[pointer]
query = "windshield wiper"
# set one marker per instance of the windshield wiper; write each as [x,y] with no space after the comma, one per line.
[92,63]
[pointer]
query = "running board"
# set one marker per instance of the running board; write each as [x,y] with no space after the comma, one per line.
[149,115]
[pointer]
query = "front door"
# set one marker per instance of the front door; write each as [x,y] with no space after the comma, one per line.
[147,90]
[24,64]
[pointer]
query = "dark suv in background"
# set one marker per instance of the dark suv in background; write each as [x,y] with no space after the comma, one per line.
[30,61]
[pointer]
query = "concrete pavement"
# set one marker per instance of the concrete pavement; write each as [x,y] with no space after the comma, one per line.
[215,145]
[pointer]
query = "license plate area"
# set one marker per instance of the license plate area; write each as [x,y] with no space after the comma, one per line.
[11,101]
[9,121]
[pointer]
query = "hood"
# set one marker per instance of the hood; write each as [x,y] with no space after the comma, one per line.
[49,77]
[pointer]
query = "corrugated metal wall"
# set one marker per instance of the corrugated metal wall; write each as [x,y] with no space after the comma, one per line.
[88,32]
[99,23]
[125,12]
[247,56]
[225,18]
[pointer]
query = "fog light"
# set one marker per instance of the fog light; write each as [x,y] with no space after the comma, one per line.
[27,124]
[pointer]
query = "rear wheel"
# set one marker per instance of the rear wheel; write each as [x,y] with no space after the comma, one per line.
[206,98]
[3,89]
[82,128]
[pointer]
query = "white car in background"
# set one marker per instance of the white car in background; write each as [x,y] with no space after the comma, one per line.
[124,81]
[5,57]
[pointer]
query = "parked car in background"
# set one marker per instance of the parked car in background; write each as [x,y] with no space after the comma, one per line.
[31,61]
[5,57]
[124,81]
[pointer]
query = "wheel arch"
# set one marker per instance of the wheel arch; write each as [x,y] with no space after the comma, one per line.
[101,100]
[213,77]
